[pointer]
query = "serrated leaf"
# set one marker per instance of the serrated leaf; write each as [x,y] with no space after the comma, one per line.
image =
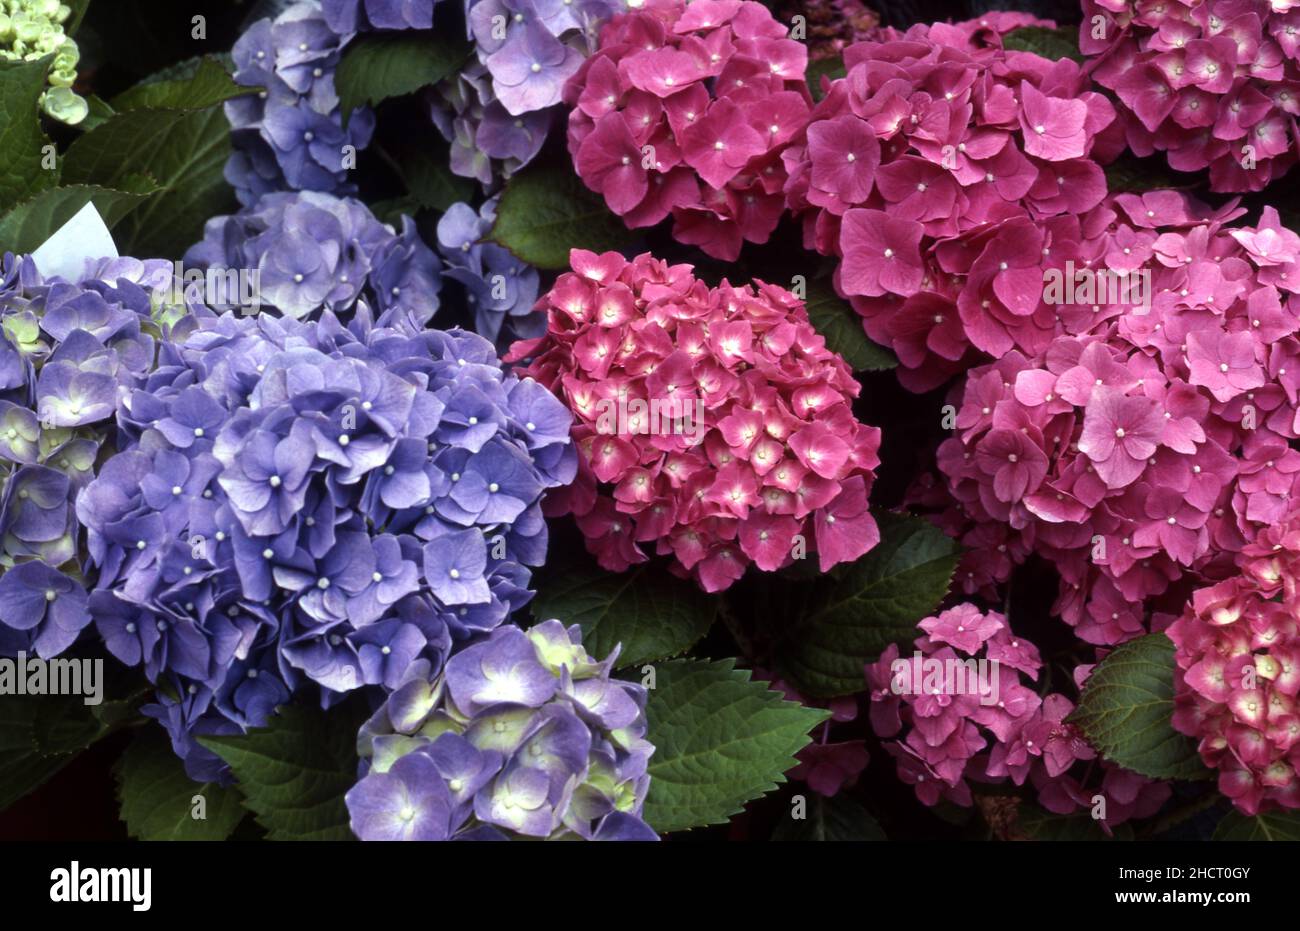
[378,66]
[158,800]
[185,152]
[293,774]
[32,222]
[1039,824]
[720,740]
[1269,826]
[546,211]
[841,326]
[202,83]
[859,610]
[22,174]
[39,735]
[839,818]
[653,614]
[1052,44]
[1126,707]
[430,180]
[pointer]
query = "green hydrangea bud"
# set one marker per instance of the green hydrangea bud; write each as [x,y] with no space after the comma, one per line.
[32,29]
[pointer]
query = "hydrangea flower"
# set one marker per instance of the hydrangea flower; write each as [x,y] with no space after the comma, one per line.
[711,422]
[684,110]
[1238,656]
[501,289]
[958,710]
[68,350]
[948,174]
[1208,82]
[290,135]
[352,16]
[313,251]
[522,735]
[32,29]
[303,501]
[1144,442]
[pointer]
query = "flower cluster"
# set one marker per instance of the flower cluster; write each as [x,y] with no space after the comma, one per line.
[947,173]
[311,251]
[501,289]
[67,351]
[1145,441]
[523,734]
[303,500]
[1208,82]
[685,110]
[32,29]
[720,419]
[969,716]
[352,16]
[290,135]
[1238,655]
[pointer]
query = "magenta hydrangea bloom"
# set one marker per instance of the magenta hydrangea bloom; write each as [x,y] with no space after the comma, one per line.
[684,111]
[1211,83]
[947,174]
[1238,655]
[1145,441]
[959,709]
[711,422]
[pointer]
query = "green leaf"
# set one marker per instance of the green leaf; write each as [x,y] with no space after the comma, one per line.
[1126,707]
[652,613]
[32,222]
[546,211]
[39,735]
[1039,824]
[858,610]
[99,114]
[294,773]
[1269,826]
[183,151]
[1052,44]
[21,139]
[158,800]
[432,183]
[720,740]
[203,83]
[836,320]
[840,818]
[833,68]
[378,66]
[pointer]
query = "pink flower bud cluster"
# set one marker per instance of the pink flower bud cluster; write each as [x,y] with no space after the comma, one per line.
[1144,442]
[712,423]
[1238,655]
[965,713]
[947,173]
[1212,83]
[683,110]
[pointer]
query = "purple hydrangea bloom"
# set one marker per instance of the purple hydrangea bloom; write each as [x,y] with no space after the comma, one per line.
[501,289]
[348,16]
[290,135]
[286,509]
[311,251]
[522,734]
[68,351]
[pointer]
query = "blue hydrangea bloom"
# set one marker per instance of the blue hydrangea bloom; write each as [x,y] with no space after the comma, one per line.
[68,352]
[307,502]
[500,288]
[522,735]
[345,16]
[312,251]
[290,135]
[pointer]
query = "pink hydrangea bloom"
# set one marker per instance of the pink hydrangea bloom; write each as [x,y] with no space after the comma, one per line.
[713,423]
[947,174]
[1209,82]
[945,732]
[683,110]
[1143,443]
[1238,655]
